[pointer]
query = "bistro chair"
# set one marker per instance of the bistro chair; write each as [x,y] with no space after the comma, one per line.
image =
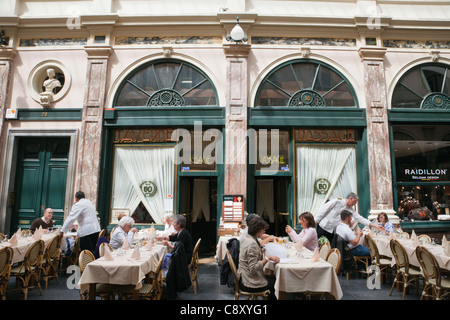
[2,237]
[26,233]
[324,249]
[51,259]
[403,235]
[193,266]
[405,273]
[29,270]
[103,247]
[102,233]
[6,255]
[103,290]
[150,290]
[334,258]
[424,239]
[383,263]
[439,286]
[237,291]
[359,259]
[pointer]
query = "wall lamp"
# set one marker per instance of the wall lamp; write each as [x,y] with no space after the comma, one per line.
[237,33]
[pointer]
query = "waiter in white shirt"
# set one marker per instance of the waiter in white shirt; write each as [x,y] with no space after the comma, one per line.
[329,216]
[84,212]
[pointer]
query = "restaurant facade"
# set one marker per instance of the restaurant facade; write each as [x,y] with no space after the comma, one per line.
[152,109]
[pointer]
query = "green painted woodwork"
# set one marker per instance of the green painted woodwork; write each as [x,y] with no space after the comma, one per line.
[40,180]
[47,114]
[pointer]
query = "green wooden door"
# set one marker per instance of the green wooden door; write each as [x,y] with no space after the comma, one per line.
[40,180]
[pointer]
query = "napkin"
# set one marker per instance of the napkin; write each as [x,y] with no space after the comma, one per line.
[126,245]
[19,234]
[444,242]
[13,241]
[413,235]
[315,256]
[37,235]
[149,245]
[447,251]
[107,256]
[136,255]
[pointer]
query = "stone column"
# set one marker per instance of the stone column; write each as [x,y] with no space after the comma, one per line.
[381,198]
[89,148]
[6,56]
[236,119]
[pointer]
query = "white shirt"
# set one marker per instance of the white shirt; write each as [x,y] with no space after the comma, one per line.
[84,212]
[346,233]
[118,238]
[329,215]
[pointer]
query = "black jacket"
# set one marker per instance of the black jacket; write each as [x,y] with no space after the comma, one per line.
[346,254]
[185,237]
[226,274]
[178,278]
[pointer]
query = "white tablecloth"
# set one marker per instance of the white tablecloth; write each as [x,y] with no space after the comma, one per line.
[221,248]
[123,270]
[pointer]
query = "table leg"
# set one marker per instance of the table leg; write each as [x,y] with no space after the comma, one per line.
[282,295]
[135,294]
[92,291]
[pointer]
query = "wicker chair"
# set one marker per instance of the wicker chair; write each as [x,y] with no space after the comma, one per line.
[403,235]
[237,291]
[103,290]
[29,270]
[103,247]
[102,233]
[439,286]
[404,271]
[424,239]
[2,237]
[383,263]
[324,250]
[6,255]
[193,266]
[51,259]
[334,258]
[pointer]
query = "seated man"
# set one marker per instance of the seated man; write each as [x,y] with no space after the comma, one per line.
[124,230]
[45,221]
[347,234]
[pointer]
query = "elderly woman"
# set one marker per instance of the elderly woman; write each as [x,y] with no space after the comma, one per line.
[252,261]
[182,235]
[124,230]
[308,235]
[169,219]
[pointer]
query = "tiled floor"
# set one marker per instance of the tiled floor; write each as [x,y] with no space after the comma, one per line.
[210,288]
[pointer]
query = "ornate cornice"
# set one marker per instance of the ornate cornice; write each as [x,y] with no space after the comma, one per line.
[369,53]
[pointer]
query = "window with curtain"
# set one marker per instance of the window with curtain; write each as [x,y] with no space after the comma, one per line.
[305,83]
[324,173]
[426,86]
[144,175]
[166,83]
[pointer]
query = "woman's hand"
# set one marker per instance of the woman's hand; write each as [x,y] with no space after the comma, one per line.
[274,259]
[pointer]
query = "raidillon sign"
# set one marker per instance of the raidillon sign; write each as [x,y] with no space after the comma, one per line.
[426,174]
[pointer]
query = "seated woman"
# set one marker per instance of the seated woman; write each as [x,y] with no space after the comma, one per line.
[383,221]
[169,219]
[308,235]
[181,234]
[124,230]
[252,261]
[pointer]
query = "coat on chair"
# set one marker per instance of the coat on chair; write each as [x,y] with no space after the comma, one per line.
[226,275]
[178,278]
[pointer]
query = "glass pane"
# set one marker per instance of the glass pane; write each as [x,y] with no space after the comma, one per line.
[31,151]
[60,150]
[305,74]
[166,73]
[434,198]
[415,81]
[203,95]
[326,80]
[447,84]
[271,96]
[268,158]
[404,98]
[131,96]
[284,78]
[187,79]
[434,76]
[422,153]
[340,97]
[145,80]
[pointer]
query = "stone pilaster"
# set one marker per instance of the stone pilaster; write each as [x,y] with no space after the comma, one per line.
[6,56]
[236,119]
[89,148]
[381,198]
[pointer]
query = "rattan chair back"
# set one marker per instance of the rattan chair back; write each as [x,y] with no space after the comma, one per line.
[84,259]
[334,258]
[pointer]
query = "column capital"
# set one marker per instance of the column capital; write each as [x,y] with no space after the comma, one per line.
[236,50]
[372,53]
[7,53]
[98,51]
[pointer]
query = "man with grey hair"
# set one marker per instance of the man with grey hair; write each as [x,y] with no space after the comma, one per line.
[329,216]
[123,231]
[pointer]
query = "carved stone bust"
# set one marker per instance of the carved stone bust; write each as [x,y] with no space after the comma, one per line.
[49,84]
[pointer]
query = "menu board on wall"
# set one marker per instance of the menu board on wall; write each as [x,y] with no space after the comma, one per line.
[233,207]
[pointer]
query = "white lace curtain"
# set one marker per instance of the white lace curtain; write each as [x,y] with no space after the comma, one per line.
[337,164]
[136,164]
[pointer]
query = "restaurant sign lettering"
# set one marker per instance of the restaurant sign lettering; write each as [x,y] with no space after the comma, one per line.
[426,174]
[326,135]
[144,135]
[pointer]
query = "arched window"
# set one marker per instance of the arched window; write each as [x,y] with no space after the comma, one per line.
[166,83]
[305,83]
[426,86]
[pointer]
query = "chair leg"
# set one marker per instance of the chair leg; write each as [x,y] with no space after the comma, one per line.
[395,281]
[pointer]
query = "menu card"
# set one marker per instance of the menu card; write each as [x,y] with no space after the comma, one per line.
[233,207]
